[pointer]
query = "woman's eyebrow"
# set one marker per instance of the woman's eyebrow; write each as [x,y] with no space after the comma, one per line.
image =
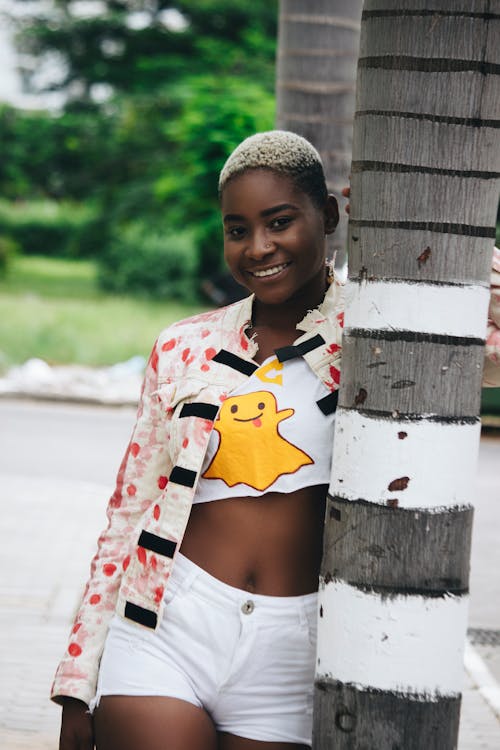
[265,213]
[233,217]
[276,209]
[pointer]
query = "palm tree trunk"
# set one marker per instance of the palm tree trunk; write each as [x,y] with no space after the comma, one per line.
[316,74]
[425,182]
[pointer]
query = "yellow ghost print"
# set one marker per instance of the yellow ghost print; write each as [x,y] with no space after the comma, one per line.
[251,450]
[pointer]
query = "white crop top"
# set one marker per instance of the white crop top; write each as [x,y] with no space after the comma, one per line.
[270,436]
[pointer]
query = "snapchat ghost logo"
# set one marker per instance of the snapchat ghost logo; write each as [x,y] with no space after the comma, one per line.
[251,450]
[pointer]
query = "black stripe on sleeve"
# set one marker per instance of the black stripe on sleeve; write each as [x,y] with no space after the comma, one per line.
[158,544]
[285,353]
[142,616]
[199,409]
[237,363]
[328,404]
[182,476]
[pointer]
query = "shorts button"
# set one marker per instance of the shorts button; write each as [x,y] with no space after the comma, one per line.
[247,607]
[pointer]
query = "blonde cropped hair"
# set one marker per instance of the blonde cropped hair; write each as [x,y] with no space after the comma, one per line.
[283,152]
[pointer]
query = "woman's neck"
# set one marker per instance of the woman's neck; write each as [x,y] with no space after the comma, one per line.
[286,315]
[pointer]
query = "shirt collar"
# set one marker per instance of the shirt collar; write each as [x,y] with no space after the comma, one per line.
[332,304]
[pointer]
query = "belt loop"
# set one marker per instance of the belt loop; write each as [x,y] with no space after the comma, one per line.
[188,578]
[303,618]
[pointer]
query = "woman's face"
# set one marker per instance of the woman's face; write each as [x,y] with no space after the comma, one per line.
[274,236]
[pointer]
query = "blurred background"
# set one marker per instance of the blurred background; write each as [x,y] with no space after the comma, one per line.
[115,119]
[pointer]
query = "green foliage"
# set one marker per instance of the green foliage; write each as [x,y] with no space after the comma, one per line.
[181,100]
[223,36]
[53,309]
[64,156]
[150,262]
[8,249]
[49,228]
[215,115]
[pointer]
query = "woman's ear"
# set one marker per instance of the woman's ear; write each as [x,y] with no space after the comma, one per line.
[331,212]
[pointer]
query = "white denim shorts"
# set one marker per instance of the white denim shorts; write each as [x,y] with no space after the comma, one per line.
[247,659]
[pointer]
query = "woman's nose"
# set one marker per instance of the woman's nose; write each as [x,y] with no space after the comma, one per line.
[260,245]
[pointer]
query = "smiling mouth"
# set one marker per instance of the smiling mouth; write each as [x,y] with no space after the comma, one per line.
[252,419]
[269,271]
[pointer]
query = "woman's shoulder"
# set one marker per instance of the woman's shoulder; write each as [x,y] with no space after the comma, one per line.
[209,318]
[205,326]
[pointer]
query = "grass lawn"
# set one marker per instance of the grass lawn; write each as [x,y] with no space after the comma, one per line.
[52,309]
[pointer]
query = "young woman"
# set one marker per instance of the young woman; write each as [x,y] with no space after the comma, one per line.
[197,628]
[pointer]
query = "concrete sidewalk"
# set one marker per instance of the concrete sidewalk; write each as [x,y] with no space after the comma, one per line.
[38,600]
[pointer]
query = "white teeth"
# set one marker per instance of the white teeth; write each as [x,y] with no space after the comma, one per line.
[269,271]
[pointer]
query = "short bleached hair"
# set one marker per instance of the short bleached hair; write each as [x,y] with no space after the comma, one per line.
[283,152]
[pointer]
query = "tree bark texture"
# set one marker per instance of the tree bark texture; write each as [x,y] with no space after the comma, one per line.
[425,187]
[315,87]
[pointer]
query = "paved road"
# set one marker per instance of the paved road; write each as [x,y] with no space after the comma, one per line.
[57,467]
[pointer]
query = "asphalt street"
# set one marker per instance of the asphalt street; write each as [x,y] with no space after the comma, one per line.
[57,468]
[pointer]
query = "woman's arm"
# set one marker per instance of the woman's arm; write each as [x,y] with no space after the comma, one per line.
[146,460]
[76,726]
[491,375]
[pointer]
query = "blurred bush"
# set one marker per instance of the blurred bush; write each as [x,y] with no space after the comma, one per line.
[149,261]
[8,249]
[141,163]
[215,115]
[55,156]
[50,228]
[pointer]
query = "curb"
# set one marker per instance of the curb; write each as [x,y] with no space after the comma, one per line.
[62,398]
[482,678]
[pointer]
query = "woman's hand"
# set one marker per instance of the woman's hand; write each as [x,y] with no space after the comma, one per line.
[76,726]
[346,192]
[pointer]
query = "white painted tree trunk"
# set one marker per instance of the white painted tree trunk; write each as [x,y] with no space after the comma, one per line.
[318,44]
[425,181]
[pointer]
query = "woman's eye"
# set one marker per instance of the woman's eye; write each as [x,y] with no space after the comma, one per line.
[235,233]
[280,222]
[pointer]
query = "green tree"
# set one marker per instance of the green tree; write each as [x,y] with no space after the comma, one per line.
[137,48]
[178,100]
[215,115]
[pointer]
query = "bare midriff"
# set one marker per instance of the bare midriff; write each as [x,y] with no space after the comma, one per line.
[267,545]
